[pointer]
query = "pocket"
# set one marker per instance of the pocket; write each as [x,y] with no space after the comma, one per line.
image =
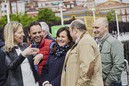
[105,54]
[105,49]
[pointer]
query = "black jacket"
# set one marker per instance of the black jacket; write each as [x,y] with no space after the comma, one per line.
[3,68]
[13,62]
[1,44]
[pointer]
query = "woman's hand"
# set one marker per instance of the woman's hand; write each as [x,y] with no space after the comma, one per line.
[38,58]
[30,51]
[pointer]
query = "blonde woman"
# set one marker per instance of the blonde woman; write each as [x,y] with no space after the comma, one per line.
[19,59]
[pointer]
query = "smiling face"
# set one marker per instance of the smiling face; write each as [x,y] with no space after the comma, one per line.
[62,39]
[100,27]
[18,36]
[36,33]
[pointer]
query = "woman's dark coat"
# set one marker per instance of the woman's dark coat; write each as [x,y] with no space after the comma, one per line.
[13,62]
[52,70]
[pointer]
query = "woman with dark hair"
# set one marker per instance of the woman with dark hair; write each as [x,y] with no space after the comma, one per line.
[51,72]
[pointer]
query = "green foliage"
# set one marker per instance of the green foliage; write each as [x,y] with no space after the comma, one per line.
[47,15]
[14,17]
[44,14]
[22,18]
[3,21]
[111,16]
[25,20]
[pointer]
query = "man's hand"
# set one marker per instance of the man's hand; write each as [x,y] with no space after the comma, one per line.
[38,58]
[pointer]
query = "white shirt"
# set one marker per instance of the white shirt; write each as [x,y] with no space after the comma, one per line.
[27,74]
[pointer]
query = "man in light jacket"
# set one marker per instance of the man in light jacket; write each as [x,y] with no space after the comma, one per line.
[82,65]
[112,53]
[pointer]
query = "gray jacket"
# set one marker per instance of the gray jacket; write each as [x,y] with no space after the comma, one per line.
[112,54]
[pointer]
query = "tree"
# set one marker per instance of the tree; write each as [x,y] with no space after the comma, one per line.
[14,17]
[47,15]
[111,16]
[3,21]
[26,20]
[23,19]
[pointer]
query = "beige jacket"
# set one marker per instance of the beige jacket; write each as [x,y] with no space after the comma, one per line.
[77,63]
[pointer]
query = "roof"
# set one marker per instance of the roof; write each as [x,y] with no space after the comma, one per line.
[111,5]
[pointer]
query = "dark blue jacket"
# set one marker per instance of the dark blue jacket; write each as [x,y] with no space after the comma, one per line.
[1,44]
[3,68]
[52,70]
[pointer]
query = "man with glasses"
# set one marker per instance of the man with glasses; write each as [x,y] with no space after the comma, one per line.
[112,53]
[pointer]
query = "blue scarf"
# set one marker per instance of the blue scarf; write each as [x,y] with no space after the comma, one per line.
[61,50]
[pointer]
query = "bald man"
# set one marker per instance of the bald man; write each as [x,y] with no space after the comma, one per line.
[112,53]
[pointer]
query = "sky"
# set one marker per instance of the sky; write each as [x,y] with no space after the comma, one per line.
[100,1]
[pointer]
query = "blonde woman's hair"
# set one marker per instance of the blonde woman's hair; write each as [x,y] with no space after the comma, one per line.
[9,31]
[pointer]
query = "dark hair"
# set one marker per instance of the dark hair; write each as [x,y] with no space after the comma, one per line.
[79,25]
[26,37]
[32,24]
[64,29]
[68,35]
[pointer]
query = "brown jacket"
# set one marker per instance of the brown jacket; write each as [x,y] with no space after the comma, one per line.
[77,64]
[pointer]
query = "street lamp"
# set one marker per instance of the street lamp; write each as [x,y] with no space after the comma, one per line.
[93,11]
[61,13]
[117,23]
[7,10]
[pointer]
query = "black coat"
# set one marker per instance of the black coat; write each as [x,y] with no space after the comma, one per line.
[52,69]
[3,68]
[1,44]
[13,62]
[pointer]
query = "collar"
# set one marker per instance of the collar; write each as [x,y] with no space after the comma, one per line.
[76,41]
[100,41]
[79,38]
